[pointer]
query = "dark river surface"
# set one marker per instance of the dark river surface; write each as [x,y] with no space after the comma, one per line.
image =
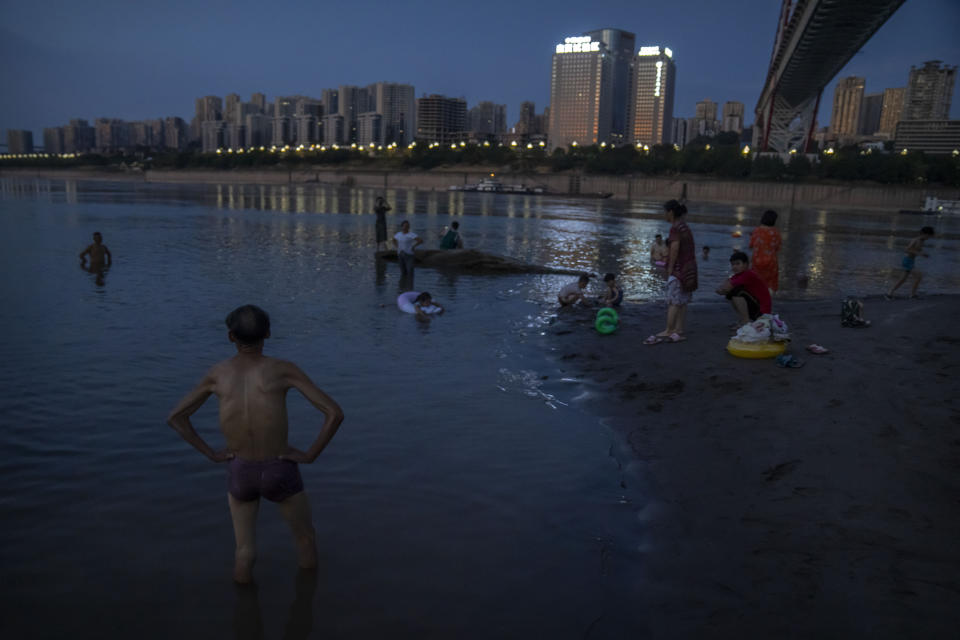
[466,494]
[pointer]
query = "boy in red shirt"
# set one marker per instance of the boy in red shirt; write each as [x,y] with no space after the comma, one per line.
[745,290]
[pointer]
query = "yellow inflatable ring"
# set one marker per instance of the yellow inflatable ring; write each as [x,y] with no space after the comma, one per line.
[755,349]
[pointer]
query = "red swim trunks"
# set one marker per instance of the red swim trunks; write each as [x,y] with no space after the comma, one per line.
[275,480]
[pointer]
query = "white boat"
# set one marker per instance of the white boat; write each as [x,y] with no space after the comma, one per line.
[489,185]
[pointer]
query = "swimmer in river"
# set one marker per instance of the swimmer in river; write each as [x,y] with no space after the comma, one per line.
[252,390]
[426,306]
[100,257]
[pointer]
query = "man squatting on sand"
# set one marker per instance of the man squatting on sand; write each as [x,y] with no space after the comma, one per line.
[746,291]
[252,390]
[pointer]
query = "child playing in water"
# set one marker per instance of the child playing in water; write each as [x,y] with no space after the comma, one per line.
[573,292]
[252,390]
[426,307]
[613,295]
[914,249]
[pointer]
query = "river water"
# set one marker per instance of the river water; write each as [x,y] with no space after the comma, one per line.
[466,494]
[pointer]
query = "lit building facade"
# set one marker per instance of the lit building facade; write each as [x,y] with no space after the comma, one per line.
[891,111]
[651,113]
[929,92]
[847,101]
[580,93]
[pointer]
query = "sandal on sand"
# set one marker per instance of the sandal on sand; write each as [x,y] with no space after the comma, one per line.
[789,362]
[674,337]
[817,349]
[654,339]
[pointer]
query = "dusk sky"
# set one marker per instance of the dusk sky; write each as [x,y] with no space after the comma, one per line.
[111,58]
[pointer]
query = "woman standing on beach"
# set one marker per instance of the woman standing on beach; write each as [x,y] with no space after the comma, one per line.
[681,274]
[381,209]
[765,242]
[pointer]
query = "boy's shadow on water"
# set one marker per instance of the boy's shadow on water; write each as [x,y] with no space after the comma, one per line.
[247,618]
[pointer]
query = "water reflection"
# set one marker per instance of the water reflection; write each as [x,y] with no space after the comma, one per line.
[248,619]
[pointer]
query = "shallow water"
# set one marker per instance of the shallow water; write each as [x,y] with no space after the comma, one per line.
[466,495]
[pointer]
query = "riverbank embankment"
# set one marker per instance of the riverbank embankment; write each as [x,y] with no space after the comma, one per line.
[811,502]
[850,195]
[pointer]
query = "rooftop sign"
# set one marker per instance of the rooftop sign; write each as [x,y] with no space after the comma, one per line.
[578,44]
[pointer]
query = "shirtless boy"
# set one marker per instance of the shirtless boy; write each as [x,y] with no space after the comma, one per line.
[914,249]
[252,390]
[99,254]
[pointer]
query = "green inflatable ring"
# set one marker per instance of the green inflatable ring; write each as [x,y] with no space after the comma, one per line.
[608,311]
[607,321]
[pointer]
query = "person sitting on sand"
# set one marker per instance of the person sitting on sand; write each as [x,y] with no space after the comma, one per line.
[659,252]
[613,294]
[747,293]
[451,238]
[100,257]
[914,249]
[426,306]
[252,390]
[573,292]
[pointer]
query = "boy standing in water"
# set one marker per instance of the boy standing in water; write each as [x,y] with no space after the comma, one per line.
[252,390]
[99,254]
[914,249]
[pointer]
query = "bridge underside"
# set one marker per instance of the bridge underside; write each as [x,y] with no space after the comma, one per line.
[815,43]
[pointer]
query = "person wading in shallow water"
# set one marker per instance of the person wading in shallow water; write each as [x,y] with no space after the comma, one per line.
[252,389]
[381,209]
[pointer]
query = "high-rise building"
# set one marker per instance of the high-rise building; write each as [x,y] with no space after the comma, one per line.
[212,135]
[651,113]
[870,110]
[580,93]
[53,140]
[111,134]
[209,108]
[441,119]
[333,129]
[891,111]
[679,131]
[705,119]
[733,117]
[847,100]
[620,46]
[175,133]
[234,136]
[929,92]
[230,103]
[369,129]
[259,101]
[19,141]
[396,105]
[331,102]
[487,120]
[257,130]
[78,137]
[306,129]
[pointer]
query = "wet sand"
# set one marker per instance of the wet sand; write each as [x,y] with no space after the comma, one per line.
[822,501]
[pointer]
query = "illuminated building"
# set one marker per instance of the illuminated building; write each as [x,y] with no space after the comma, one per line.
[620,46]
[580,93]
[891,110]
[651,108]
[847,99]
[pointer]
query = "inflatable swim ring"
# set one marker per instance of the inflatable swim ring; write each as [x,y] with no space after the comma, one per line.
[607,321]
[755,349]
[405,301]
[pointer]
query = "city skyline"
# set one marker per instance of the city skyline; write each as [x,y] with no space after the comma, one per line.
[108,60]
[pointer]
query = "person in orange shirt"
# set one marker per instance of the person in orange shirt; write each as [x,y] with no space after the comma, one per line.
[765,242]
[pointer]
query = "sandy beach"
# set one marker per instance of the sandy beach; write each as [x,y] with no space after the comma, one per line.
[822,501]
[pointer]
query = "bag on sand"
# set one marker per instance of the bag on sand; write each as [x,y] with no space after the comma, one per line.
[851,313]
